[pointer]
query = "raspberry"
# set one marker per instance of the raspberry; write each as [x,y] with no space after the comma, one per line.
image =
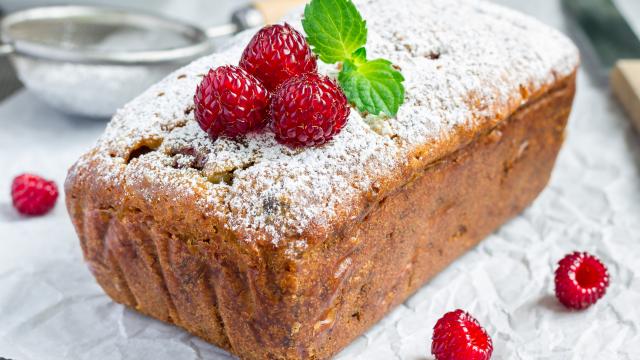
[308,110]
[230,102]
[33,195]
[458,336]
[581,279]
[276,54]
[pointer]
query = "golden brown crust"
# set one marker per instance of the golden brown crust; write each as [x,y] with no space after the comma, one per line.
[263,302]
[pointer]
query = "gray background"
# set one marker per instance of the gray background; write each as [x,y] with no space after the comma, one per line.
[51,308]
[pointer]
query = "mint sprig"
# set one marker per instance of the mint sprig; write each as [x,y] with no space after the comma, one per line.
[373,86]
[337,33]
[334,29]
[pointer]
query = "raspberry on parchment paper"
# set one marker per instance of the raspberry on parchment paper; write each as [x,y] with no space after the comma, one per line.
[459,336]
[33,195]
[581,280]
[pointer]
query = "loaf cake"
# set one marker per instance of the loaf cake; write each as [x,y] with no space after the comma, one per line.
[279,253]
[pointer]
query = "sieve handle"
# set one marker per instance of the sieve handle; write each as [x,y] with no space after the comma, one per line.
[6,49]
[273,10]
[258,13]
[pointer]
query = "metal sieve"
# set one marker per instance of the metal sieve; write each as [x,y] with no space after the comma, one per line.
[89,61]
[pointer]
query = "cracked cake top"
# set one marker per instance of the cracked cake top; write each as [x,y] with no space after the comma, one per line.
[468,64]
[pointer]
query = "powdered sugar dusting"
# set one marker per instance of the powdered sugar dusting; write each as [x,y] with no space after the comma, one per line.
[463,60]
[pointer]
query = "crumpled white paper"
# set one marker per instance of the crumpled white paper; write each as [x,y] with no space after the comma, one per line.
[51,307]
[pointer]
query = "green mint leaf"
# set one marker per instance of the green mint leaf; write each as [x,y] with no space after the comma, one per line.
[334,29]
[373,86]
[337,33]
[359,56]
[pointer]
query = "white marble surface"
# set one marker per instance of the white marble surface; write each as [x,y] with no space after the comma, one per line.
[51,308]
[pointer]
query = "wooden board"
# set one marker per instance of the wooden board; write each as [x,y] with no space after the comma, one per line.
[625,83]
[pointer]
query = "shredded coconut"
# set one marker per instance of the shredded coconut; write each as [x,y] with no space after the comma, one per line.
[463,60]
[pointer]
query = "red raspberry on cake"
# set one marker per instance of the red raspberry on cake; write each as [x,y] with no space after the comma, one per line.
[276,54]
[230,102]
[308,110]
[33,195]
[581,280]
[458,336]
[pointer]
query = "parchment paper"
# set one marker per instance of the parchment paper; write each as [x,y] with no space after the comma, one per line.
[51,308]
